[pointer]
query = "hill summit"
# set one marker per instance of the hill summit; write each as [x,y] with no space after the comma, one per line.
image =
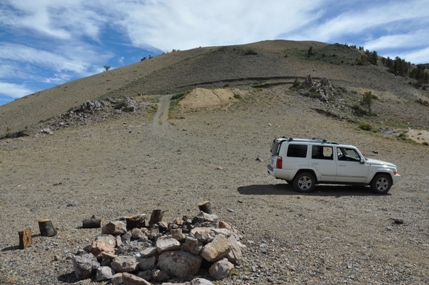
[256,65]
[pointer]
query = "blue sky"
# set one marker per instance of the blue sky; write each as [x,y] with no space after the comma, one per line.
[44,43]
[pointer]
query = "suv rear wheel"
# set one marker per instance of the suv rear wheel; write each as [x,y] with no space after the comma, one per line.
[304,182]
[381,183]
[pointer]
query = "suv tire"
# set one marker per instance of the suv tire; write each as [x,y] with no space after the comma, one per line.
[304,182]
[381,183]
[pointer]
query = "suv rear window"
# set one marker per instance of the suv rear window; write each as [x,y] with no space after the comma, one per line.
[275,147]
[297,150]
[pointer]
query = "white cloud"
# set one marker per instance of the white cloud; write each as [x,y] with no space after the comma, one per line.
[57,19]
[14,90]
[417,56]
[191,23]
[73,58]
[416,39]
[369,20]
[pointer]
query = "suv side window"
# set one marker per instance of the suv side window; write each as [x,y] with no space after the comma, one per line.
[321,152]
[297,150]
[348,154]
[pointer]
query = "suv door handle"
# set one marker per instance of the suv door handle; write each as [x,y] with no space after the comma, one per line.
[314,163]
[341,165]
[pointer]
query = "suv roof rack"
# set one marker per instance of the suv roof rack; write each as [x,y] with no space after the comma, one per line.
[304,140]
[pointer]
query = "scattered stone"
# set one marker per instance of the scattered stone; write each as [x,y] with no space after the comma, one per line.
[166,244]
[85,265]
[72,204]
[47,131]
[117,279]
[147,263]
[160,276]
[99,246]
[137,233]
[107,239]
[235,255]
[201,281]
[221,269]
[149,251]
[130,279]
[146,275]
[104,273]
[397,221]
[124,263]
[192,245]
[116,228]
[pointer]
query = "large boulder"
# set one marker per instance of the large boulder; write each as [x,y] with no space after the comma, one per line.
[179,263]
[217,249]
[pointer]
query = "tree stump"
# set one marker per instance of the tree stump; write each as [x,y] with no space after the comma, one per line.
[135,221]
[205,207]
[25,239]
[155,217]
[93,222]
[47,228]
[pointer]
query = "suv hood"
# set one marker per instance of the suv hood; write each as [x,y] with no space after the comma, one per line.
[379,162]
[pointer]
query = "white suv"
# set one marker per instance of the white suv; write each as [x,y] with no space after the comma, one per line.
[306,163]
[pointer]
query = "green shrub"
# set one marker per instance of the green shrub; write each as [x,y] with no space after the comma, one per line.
[178,96]
[18,134]
[365,126]
[250,52]
[296,83]
[316,95]
[238,96]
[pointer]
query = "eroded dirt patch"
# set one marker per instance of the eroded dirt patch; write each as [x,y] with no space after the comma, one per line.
[201,98]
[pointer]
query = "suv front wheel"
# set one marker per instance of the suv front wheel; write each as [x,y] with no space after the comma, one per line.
[304,182]
[381,183]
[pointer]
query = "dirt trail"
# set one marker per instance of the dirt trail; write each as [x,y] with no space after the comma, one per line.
[161,115]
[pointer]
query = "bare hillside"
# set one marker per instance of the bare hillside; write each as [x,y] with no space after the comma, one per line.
[251,65]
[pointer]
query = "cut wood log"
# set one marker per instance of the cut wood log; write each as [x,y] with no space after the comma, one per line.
[136,221]
[47,228]
[92,222]
[25,239]
[155,217]
[206,207]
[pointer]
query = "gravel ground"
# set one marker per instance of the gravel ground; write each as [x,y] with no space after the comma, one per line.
[136,163]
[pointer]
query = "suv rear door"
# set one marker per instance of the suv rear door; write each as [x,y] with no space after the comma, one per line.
[322,161]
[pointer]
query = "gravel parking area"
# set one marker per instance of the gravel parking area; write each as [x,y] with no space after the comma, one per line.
[137,163]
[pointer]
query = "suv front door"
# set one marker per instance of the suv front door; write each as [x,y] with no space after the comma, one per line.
[349,166]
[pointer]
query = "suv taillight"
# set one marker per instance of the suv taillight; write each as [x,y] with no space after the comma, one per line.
[279,162]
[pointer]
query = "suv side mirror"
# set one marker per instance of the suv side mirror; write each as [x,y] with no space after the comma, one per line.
[362,160]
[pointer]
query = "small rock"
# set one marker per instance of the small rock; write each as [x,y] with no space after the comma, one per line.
[72,204]
[221,269]
[124,263]
[104,273]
